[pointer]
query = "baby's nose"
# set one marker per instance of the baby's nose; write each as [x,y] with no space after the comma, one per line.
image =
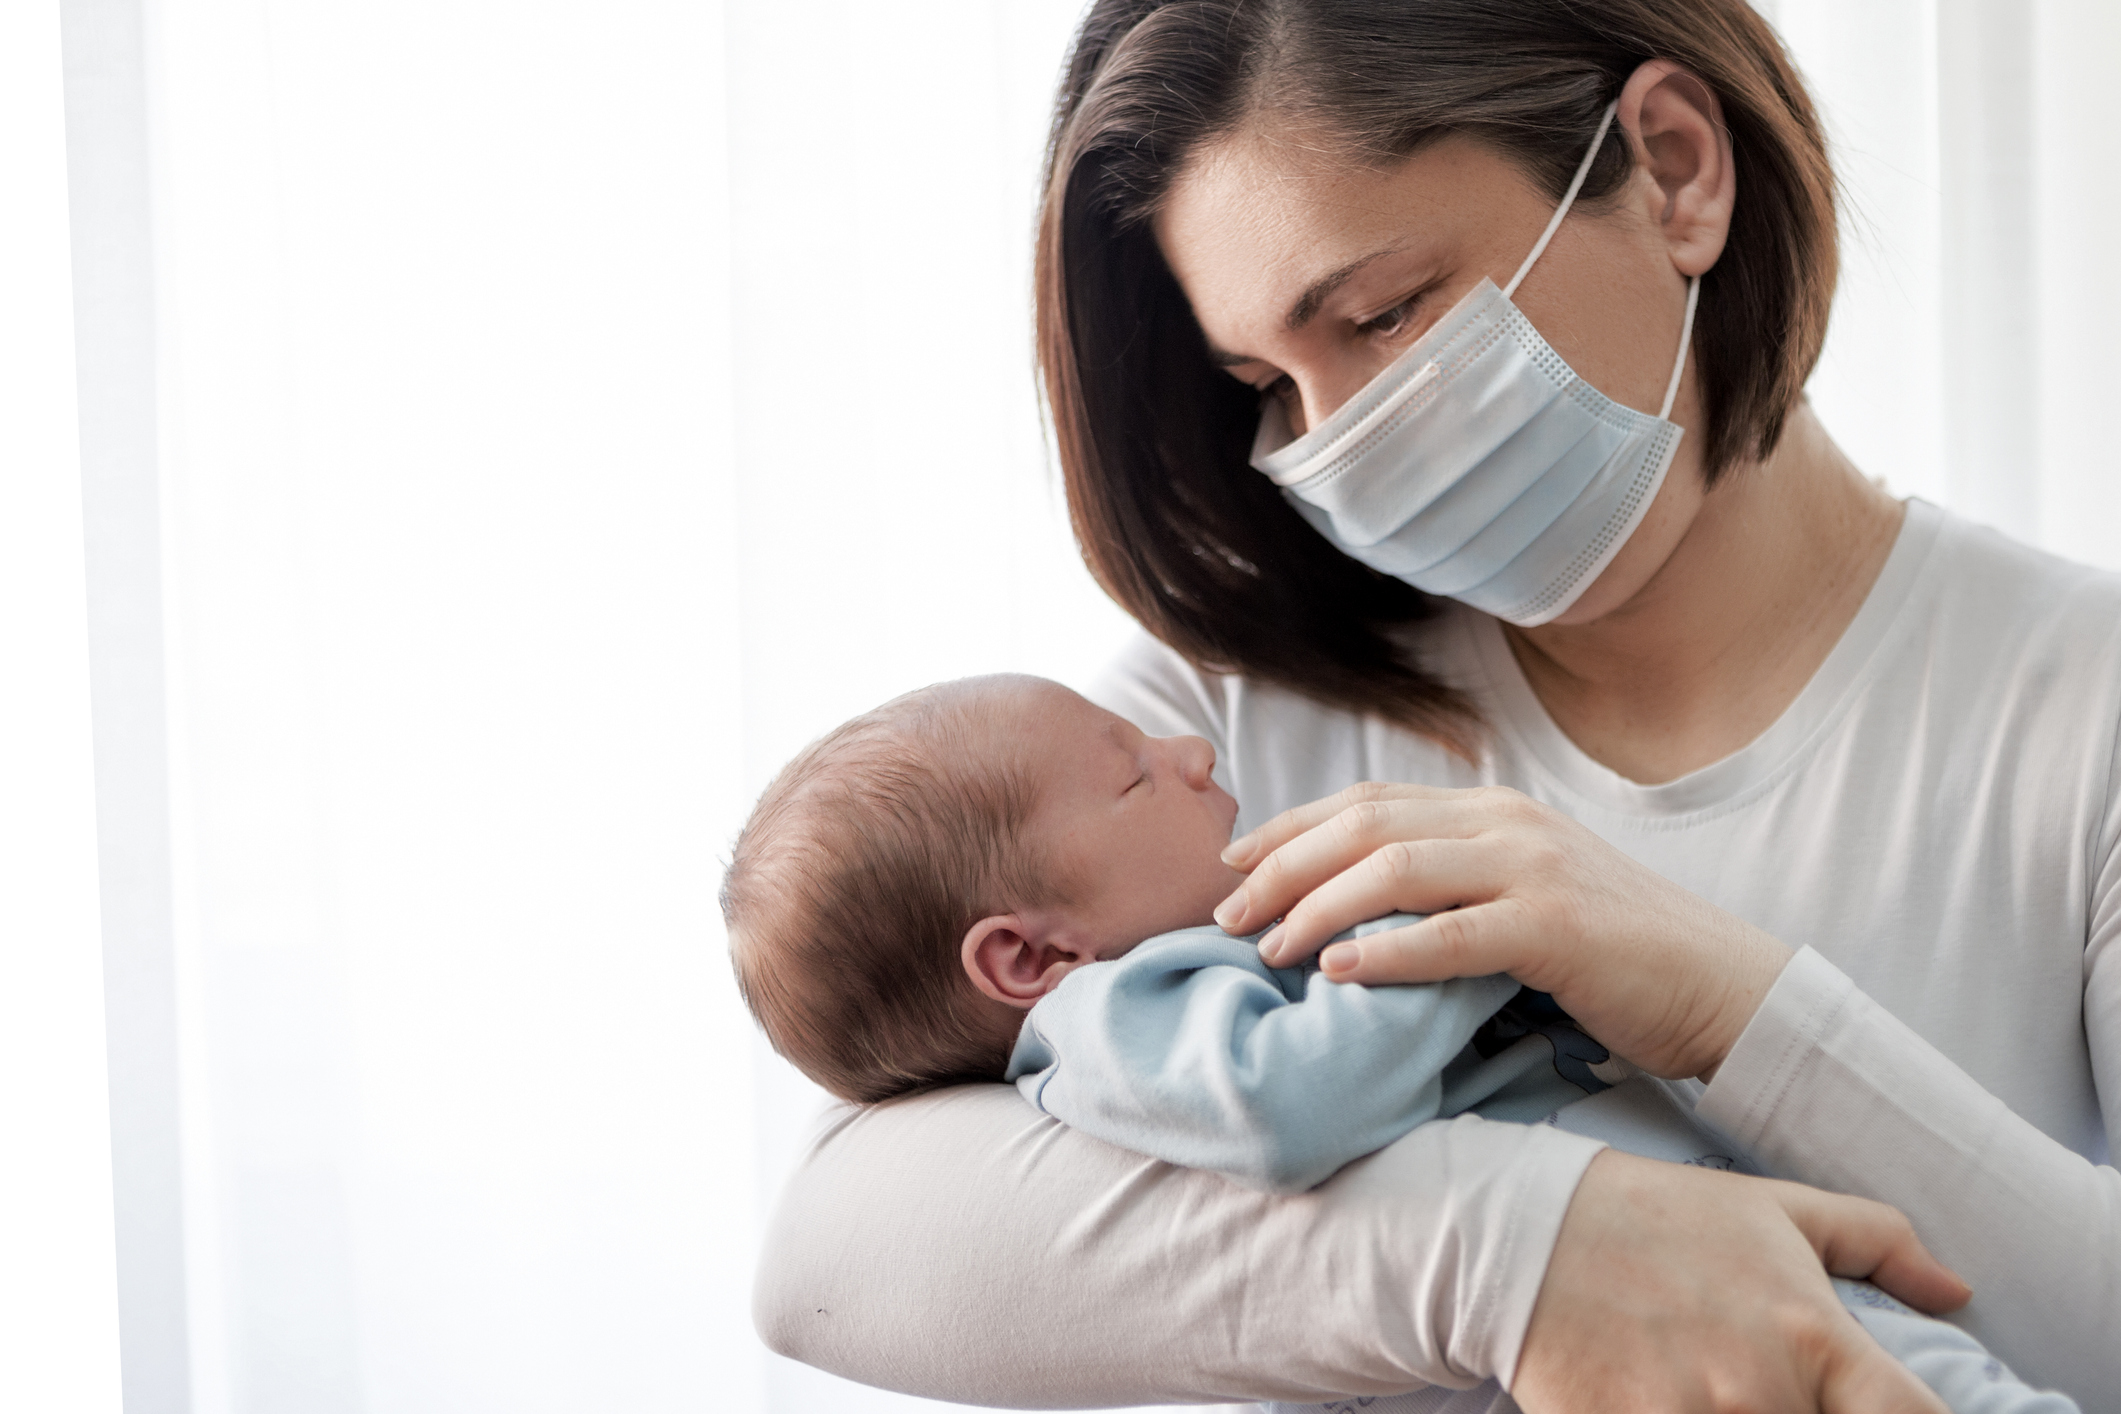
[1196,757]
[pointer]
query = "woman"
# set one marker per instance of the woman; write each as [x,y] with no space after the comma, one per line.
[1776,784]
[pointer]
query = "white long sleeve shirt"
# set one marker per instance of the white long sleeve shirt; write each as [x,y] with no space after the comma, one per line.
[1933,822]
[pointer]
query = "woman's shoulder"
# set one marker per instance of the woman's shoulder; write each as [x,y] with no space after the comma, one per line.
[1978,556]
[2008,655]
[1989,598]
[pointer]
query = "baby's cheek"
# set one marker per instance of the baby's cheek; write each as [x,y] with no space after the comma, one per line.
[1202,881]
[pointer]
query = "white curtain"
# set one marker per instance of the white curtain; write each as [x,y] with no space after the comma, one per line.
[1971,357]
[507,432]
[58,1293]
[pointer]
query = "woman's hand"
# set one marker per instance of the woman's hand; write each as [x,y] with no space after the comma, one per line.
[1680,1289]
[1658,975]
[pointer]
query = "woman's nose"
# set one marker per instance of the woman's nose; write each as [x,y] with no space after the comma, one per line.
[1319,396]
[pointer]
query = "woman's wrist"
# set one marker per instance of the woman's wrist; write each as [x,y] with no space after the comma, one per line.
[1755,960]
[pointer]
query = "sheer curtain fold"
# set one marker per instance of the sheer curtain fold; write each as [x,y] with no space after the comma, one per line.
[107,164]
[59,1337]
[512,430]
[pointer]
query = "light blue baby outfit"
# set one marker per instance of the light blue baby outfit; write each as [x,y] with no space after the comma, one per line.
[1192,1050]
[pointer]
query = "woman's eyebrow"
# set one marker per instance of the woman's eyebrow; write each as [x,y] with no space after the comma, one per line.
[1308,303]
[1314,295]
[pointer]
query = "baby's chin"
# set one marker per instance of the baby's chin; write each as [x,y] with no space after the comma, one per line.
[1191,906]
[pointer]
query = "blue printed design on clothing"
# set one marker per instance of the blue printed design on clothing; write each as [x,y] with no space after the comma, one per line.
[1531,1013]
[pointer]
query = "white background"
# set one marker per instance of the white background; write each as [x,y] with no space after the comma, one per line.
[507,432]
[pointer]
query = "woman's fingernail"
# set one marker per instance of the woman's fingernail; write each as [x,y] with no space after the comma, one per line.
[1231,912]
[1238,851]
[1269,944]
[1341,957]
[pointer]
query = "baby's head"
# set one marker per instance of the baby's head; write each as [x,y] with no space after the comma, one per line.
[909,885]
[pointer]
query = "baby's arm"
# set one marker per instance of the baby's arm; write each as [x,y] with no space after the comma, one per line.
[1192,1050]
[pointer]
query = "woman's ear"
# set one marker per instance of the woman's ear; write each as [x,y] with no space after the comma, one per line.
[1675,125]
[1016,960]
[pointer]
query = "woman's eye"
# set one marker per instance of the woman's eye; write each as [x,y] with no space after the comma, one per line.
[1392,321]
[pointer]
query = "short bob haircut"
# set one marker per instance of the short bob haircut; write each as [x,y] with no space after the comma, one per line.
[1153,440]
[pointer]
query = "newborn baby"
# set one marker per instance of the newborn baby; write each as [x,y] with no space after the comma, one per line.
[996,879]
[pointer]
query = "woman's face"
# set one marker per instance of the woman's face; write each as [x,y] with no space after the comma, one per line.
[1309,273]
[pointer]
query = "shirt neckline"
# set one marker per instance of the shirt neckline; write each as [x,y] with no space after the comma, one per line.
[1517,714]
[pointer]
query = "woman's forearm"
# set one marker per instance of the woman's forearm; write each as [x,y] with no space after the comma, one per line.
[1828,1088]
[960,1245]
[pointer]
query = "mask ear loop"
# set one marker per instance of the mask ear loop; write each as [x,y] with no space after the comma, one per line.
[1686,337]
[1568,199]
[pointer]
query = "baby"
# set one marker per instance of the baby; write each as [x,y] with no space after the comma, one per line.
[995,879]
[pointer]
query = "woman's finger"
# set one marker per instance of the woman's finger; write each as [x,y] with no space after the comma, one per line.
[1465,942]
[1662,977]
[1405,876]
[1339,842]
[1863,1240]
[1248,849]
[1867,1241]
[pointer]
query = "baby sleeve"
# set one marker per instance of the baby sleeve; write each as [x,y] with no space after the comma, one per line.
[1191,1050]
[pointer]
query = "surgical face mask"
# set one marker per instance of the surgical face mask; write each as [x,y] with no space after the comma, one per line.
[1479,465]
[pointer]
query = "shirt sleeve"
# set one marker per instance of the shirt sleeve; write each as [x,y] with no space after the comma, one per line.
[959,1245]
[1192,1050]
[1826,1087]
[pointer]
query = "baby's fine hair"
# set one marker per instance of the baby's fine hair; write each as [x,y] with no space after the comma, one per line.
[851,889]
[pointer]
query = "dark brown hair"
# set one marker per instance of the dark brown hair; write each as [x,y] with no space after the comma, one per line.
[1153,440]
[856,879]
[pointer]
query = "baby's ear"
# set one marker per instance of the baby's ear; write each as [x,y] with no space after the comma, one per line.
[1016,961]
